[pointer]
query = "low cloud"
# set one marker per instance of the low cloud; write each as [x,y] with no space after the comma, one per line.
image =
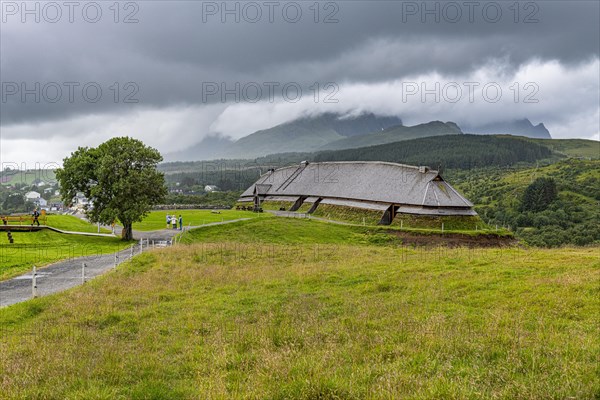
[563,97]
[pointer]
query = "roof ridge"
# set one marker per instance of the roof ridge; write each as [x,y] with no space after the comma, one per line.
[416,167]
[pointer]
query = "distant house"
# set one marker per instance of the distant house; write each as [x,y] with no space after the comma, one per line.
[80,201]
[36,199]
[58,206]
[211,188]
[32,196]
[48,190]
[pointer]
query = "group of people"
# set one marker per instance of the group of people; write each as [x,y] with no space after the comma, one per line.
[172,221]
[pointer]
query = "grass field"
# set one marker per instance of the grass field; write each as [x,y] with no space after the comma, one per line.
[27,177]
[62,222]
[158,219]
[74,224]
[270,229]
[573,147]
[44,247]
[315,311]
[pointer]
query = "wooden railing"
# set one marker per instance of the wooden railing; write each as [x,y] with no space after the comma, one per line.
[22,220]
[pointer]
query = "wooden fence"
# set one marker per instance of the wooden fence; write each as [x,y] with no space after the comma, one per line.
[21,220]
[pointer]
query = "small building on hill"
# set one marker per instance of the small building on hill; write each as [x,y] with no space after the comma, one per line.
[32,196]
[380,190]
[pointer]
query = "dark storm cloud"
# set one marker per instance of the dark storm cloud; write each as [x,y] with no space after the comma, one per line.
[163,59]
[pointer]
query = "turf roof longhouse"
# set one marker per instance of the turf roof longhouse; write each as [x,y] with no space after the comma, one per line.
[370,185]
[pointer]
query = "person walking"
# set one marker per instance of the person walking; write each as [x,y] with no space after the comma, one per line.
[168,221]
[36,215]
[174,221]
[180,222]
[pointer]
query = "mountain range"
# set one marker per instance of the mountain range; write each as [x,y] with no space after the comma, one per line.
[520,127]
[331,131]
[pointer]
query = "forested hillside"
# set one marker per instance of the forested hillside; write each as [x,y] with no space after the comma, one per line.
[547,206]
[452,151]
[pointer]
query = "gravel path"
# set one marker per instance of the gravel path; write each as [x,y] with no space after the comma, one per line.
[68,273]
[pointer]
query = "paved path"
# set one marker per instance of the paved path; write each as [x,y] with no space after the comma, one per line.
[67,273]
[33,228]
[168,234]
[59,276]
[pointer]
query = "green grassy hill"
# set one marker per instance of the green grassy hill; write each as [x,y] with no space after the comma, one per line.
[73,224]
[580,148]
[395,134]
[28,177]
[316,311]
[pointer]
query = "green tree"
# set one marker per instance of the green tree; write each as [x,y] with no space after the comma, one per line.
[120,179]
[14,203]
[539,195]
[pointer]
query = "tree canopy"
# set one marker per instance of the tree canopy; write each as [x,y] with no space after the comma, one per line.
[119,178]
[539,195]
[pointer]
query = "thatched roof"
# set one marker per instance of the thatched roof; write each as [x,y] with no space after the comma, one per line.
[370,181]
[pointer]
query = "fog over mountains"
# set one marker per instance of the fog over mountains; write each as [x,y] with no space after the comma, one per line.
[331,131]
[522,127]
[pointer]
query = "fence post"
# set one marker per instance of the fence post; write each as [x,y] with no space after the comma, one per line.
[82,272]
[141,245]
[34,292]
[442,227]
[401,222]
[116,259]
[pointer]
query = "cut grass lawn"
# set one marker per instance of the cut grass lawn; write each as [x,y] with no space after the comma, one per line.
[44,247]
[158,219]
[313,312]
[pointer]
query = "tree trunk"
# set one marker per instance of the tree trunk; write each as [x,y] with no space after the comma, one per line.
[127,233]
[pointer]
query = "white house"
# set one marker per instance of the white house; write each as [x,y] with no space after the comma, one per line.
[32,196]
[80,201]
[210,188]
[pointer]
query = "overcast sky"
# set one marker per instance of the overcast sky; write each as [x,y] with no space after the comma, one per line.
[173,72]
